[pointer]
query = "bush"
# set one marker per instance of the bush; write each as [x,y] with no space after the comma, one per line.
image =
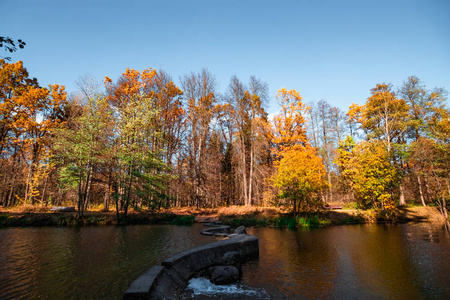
[358,219]
[183,220]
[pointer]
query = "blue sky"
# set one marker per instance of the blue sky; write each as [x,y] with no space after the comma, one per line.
[332,50]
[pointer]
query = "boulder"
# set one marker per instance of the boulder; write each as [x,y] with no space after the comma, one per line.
[240,230]
[231,258]
[225,275]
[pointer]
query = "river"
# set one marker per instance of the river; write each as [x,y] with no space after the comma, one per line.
[408,261]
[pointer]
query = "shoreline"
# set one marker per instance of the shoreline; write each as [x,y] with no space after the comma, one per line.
[233,216]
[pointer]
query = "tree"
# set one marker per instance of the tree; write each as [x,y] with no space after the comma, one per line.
[141,176]
[170,115]
[28,116]
[327,130]
[300,171]
[421,104]
[289,131]
[424,107]
[354,117]
[80,149]
[343,160]
[300,174]
[384,115]
[249,121]
[439,163]
[368,169]
[199,90]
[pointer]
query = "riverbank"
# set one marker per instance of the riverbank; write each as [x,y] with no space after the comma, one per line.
[42,217]
[233,216]
[254,216]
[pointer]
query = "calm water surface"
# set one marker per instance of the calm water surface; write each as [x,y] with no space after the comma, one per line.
[87,262]
[410,261]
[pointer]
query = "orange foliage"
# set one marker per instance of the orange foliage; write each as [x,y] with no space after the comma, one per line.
[289,124]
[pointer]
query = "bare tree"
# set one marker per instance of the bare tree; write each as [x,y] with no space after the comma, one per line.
[199,90]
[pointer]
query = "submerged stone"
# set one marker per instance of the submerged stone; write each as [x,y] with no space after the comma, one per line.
[225,275]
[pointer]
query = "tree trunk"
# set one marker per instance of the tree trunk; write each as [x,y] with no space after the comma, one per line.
[88,190]
[295,207]
[250,200]
[330,199]
[244,172]
[421,191]
[44,190]
[116,199]
[27,188]
[107,198]
[11,191]
[402,201]
[82,204]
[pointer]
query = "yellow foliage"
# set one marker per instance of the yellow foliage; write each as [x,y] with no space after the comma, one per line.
[370,173]
[289,124]
[300,174]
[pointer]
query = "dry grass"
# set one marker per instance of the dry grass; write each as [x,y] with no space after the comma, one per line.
[425,213]
[251,215]
[189,210]
[23,209]
[263,212]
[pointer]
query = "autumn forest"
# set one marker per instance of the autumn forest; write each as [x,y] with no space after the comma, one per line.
[143,143]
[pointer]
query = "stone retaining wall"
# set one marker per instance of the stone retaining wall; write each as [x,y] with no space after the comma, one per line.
[170,279]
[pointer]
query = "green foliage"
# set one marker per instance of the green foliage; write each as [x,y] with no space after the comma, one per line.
[306,221]
[313,221]
[286,222]
[80,149]
[183,220]
[351,205]
[141,173]
[369,172]
[358,219]
[3,219]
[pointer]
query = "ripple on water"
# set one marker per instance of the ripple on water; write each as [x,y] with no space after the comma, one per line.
[203,287]
[345,262]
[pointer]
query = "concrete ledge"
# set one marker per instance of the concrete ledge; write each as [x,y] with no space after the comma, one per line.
[191,261]
[212,223]
[216,230]
[170,279]
[141,287]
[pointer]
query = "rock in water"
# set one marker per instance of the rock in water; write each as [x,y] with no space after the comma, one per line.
[240,230]
[225,275]
[231,258]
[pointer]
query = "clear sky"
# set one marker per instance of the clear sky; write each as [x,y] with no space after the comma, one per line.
[325,49]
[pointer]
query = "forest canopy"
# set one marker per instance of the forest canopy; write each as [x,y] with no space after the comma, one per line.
[142,142]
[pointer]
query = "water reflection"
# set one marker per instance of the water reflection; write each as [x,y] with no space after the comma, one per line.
[85,263]
[348,262]
[353,262]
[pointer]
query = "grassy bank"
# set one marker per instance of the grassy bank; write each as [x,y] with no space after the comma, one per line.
[233,216]
[256,216]
[40,217]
